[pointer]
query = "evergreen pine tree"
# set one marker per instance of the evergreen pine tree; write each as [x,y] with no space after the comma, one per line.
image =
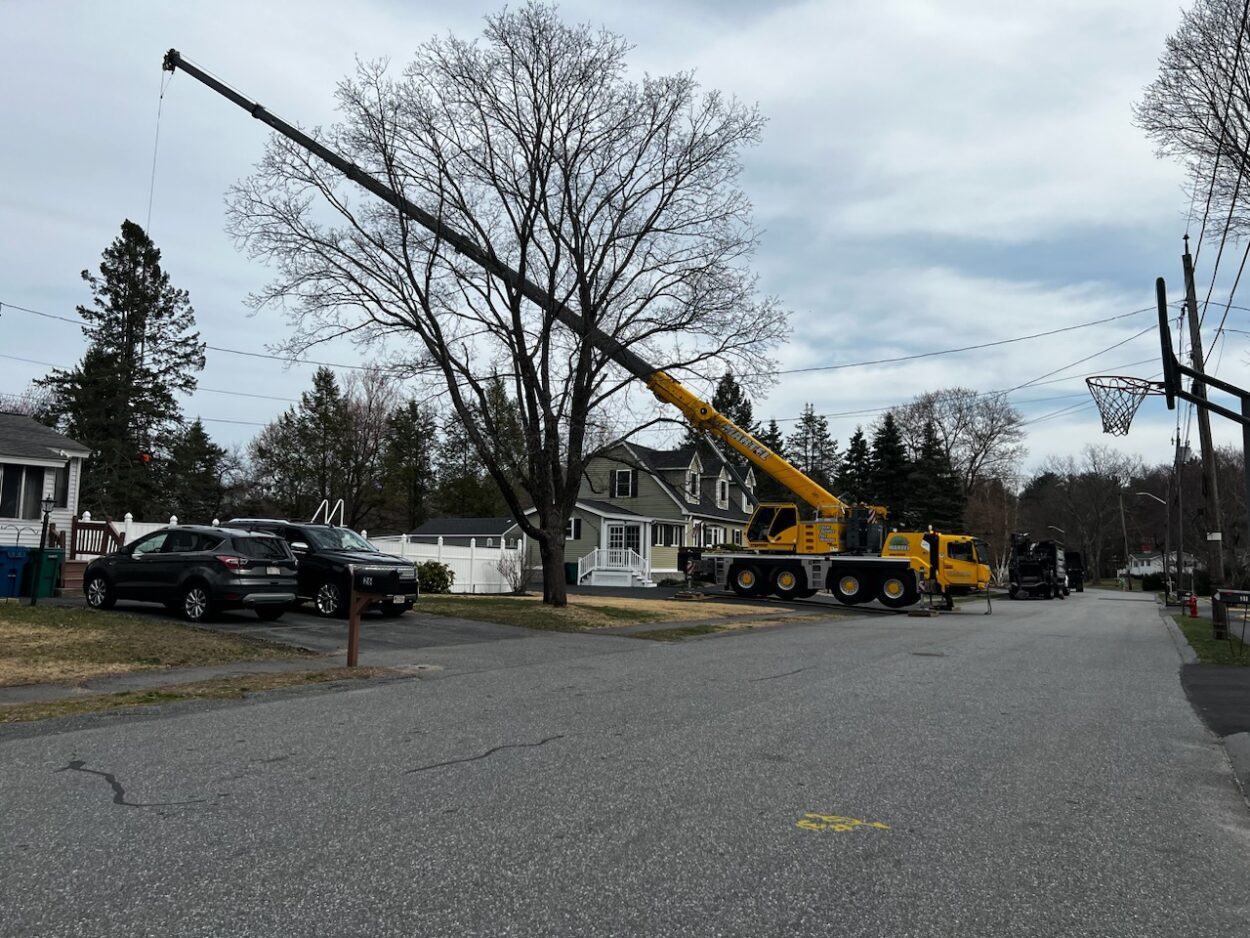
[890,470]
[767,489]
[855,478]
[121,399]
[412,440]
[192,472]
[813,450]
[934,493]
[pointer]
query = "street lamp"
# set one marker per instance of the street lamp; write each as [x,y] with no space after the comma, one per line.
[1060,530]
[1167,541]
[47,505]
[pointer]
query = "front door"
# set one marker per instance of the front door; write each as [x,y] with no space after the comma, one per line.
[623,537]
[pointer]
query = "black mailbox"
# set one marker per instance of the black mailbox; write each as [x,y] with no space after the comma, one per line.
[1233,597]
[382,581]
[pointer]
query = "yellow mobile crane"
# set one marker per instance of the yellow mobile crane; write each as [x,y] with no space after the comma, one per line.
[843,548]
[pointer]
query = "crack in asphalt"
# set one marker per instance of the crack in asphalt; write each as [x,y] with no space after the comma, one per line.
[488,752]
[119,793]
[773,677]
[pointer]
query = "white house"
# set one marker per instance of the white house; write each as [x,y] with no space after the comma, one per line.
[1152,562]
[36,463]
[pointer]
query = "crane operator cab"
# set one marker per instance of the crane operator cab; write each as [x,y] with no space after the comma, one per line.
[777,527]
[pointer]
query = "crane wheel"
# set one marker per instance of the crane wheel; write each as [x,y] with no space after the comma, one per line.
[895,592]
[789,583]
[849,588]
[745,580]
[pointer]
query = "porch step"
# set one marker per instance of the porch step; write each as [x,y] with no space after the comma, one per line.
[71,576]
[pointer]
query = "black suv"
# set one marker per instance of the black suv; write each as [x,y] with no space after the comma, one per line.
[196,571]
[325,553]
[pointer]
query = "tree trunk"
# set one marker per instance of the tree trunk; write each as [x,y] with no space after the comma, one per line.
[551,550]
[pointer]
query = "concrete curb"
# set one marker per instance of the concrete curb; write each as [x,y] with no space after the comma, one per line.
[1188,655]
[1237,746]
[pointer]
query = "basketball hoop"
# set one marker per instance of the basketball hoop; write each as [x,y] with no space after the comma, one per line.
[1118,398]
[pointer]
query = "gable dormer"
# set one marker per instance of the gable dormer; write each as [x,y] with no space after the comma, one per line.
[722,489]
[694,479]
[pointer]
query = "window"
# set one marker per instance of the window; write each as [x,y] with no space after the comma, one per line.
[666,535]
[180,542]
[738,537]
[959,550]
[60,487]
[21,491]
[262,548]
[692,486]
[722,493]
[713,534]
[624,483]
[148,545]
[573,530]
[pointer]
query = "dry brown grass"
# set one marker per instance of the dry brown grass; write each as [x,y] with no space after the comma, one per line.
[59,644]
[219,689]
[582,613]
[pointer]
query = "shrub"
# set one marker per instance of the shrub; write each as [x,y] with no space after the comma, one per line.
[435,577]
[1152,583]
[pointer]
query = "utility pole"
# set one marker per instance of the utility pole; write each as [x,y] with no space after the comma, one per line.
[1210,487]
[1179,488]
[1128,562]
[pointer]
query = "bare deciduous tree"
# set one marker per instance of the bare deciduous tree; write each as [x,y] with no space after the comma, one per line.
[981,433]
[1198,108]
[620,199]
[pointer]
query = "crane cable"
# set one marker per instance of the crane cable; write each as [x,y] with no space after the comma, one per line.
[156,142]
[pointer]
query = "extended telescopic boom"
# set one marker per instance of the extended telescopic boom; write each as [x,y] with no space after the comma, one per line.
[665,387]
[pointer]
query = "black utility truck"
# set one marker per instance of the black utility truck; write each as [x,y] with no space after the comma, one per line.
[1037,568]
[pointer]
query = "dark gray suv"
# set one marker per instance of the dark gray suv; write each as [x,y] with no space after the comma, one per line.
[196,571]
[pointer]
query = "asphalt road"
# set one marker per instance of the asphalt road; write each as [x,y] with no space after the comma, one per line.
[1034,773]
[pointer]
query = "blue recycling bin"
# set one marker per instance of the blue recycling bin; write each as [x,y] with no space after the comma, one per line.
[12,565]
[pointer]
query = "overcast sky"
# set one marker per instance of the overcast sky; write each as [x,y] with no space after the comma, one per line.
[934,174]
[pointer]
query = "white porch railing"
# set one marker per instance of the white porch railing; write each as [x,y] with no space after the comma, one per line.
[611,558]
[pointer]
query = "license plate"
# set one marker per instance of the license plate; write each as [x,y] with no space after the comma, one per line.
[400,598]
[273,571]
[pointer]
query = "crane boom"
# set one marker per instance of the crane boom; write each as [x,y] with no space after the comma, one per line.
[664,386]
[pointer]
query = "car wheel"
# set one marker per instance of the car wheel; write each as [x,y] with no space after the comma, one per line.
[788,582]
[270,613]
[330,601]
[99,592]
[195,606]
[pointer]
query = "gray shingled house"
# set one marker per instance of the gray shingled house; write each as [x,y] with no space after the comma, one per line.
[36,463]
[639,506]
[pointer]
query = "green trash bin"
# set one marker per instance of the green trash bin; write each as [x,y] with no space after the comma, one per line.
[44,565]
[570,572]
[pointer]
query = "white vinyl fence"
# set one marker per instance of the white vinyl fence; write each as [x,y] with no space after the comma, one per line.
[476,568]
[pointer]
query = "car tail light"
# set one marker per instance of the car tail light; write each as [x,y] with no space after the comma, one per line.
[232,562]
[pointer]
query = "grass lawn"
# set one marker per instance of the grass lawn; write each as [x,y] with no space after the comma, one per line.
[1209,650]
[61,644]
[219,689]
[581,614]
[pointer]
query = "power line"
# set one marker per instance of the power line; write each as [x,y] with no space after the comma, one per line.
[966,348]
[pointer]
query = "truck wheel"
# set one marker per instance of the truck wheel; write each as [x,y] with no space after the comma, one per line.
[1014,591]
[745,580]
[789,582]
[849,588]
[330,601]
[1046,594]
[895,592]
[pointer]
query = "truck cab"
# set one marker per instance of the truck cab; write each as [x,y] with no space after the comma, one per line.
[952,564]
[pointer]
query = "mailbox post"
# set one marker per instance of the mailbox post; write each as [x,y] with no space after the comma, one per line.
[369,585]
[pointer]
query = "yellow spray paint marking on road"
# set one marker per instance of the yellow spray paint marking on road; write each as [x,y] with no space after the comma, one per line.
[836,822]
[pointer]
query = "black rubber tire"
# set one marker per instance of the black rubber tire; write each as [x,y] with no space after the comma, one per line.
[808,593]
[270,613]
[1014,592]
[330,600]
[745,580]
[789,582]
[850,589]
[195,605]
[895,592]
[105,596]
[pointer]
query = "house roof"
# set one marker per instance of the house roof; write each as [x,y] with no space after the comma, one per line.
[713,463]
[607,508]
[463,527]
[25,437]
